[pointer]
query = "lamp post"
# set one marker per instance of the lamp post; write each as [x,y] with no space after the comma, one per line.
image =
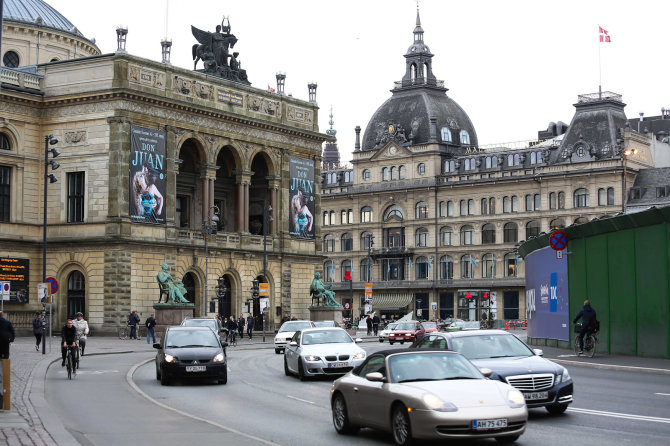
[221,291]
[267,219]
[624,157]
[48,140]
[208,227]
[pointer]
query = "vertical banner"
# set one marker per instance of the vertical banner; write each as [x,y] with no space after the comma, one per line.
[147,175]
[301,198]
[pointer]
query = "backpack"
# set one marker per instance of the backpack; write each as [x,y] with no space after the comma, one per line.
[37,322]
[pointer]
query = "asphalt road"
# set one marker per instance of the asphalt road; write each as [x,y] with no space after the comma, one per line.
[260,405]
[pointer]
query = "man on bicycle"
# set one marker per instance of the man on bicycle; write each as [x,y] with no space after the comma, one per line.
[588,316]
[68,338]
[231,325]
[82,331]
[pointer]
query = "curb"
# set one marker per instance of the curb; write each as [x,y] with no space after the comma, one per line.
[623,368]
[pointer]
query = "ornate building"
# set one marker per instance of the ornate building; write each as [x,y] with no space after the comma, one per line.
[432,220]
[149,154]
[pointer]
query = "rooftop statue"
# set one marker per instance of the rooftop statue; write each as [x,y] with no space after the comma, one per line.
[214,51]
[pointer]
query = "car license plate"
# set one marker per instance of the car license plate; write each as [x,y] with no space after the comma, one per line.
[497,423]
[196,368]
[536,395]
[334,365]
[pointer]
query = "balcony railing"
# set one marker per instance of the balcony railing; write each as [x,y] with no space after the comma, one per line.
[20,78]
[419,81]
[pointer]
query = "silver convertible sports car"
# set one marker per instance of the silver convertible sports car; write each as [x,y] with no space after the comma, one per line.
[426,394]
[322,351]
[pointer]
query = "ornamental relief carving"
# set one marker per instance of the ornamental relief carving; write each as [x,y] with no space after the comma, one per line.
[143,76]
[14,108]
[297,114]
[75,137]
[263,105]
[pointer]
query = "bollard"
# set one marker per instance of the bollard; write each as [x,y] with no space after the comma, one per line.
[507,324]
[523,324]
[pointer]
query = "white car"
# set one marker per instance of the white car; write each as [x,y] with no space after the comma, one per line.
[286,332]
[384,334]
[322,351]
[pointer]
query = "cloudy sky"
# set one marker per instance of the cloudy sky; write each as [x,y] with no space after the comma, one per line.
[513,66]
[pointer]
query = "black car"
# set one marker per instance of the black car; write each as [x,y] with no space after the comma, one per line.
[191,353]
[542,382]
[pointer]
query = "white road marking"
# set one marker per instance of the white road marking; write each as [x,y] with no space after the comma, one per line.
[300,399]
[662,394]
[602,413]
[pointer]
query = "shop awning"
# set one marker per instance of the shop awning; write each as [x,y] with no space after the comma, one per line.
[391,301]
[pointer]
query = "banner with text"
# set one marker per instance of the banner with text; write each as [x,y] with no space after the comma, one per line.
[17,273]
[301,198]
[147,175]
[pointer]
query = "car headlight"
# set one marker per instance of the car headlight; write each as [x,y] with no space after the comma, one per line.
[515,399]
[563,377]
[360,355]
[170,358]
[435,403]
[312,358]
[218,358]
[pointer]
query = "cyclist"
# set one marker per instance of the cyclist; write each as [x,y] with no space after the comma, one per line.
[588,316]
[231,325]
[82,331]
[68,338]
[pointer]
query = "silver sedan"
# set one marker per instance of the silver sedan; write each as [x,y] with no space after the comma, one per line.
[322,351]
[426,394]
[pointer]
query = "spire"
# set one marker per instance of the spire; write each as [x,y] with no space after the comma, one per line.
[418,61]
[418,31]
[331,154]
[331,131]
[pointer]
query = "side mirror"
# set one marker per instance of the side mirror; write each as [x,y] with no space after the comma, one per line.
[486,372]
[293,344]
[358,340]
[538,352]
[374,377]
[158,346]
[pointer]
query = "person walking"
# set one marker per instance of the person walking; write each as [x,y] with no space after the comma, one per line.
[375,323]
[368,323]
[133,320]
[6,336]
[250,325]
[240,326]
[151,330]
[588,316]
[231,325]
[37,329]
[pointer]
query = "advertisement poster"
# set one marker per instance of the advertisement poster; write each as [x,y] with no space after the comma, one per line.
[547,295]
[17,273]
[147,175]
[301,198]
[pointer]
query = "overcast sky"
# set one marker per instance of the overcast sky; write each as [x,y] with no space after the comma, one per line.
[513,66]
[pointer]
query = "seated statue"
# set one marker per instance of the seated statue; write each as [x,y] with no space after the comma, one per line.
[176,291]
[323,292]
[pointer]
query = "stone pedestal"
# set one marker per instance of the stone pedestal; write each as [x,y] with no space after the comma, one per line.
[171,314]
[326,314]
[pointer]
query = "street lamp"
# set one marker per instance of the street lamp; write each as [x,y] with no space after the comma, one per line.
[208,227]
[221,290]
[267,219]
[624,157]
[48,140]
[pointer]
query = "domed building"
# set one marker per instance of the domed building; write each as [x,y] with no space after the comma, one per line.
[33,33]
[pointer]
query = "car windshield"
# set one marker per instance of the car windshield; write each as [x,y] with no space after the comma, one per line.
[324,324]
[211,323]
[191,338]
[326,337]
[295,326]
[490,346]
[391,326]
[429,325]
[433,366]
[405,326]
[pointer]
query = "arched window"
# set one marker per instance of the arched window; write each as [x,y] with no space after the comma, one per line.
[332,218]
[552,200]
[557,223]
[343,216]
[421,238]
[366,214]
[464,207]
[394,173]
[329,243]
[561,200]
[443,209]
[494,162]
[328,271]
[394,212]
[488,234]
[350,216]
[510,160]
[366,270]
[449,166]
[533,158]
[485,207]
[602,197]
[466,267]
[529,203]
[467,234]
[76,293]
[510,233]
[511,265]
[488,162]
[385,174]
[517,159]
[450,208]
[488,266]
[403,172]
[421,268]
[446,236]
[347,242]
[421,210]
[533,229]
[492,206]
[581,220]
[467,164]
[366,238]
[537,203]
[346,266]
[5,144]
[515,204]
[539,158]
[326,218]
[610,196]
[445,133]
[366,175]
[471,207]
[421,169]
[446,267]
[581,198]
[507,205]
[465,137]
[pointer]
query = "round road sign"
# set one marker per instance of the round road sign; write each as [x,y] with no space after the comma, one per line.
[558,240]
[346,305]
[53,284]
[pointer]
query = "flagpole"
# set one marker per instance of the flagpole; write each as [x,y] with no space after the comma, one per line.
[600,76]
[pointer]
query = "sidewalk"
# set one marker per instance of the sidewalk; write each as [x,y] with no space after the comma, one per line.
[30,421]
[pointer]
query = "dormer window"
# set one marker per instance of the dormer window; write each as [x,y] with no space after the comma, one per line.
[465,137]
[446,134]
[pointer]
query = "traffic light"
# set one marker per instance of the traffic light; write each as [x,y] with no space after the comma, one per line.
[255,289]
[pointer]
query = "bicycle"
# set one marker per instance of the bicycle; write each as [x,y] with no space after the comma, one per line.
[590,341]
[70,362]
[124,332]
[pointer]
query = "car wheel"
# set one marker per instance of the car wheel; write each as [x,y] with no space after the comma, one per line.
[508,439]
[402,431]
[164,380]
[557,410]
[341,416]
[402,342]
[158,374]
[287,372]
[277,351]
[301,370]
[224,377]
[381,340]
[390,342]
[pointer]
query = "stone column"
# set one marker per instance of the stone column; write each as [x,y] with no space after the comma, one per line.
[274,183]
[243,178]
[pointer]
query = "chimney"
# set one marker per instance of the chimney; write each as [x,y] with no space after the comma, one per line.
[357,146]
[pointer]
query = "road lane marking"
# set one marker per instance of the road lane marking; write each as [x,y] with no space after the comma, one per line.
[602,413]
[662,394]
[300,399]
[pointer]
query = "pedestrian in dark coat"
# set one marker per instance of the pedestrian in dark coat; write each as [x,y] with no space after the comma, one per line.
[368,322]
[37,330]
[375,323]
[250,325]
[588,316]
[133,320]
[240,326]
[6,336]
[151,330]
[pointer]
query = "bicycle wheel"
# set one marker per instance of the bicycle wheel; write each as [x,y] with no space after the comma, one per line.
[576,345]
[590,346]
[68,364]
[123,333]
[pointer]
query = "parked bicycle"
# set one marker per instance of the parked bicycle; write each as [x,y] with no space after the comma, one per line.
[590,341]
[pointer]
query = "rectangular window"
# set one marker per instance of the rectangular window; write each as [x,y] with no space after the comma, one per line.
[181,212]
[660,192]
[443,209]
[75,197]
[5,177]
[464,208]
[350,216]
[511,305]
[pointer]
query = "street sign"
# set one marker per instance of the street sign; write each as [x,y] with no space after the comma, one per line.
[346,305]
[264,289]
[42,292]
[6,287]
[433,305]
[368,290]
[558,240]
[54,285]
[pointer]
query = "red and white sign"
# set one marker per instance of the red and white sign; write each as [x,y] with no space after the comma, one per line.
[53,283]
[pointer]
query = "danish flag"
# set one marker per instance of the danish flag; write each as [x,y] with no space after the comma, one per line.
[604,37]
